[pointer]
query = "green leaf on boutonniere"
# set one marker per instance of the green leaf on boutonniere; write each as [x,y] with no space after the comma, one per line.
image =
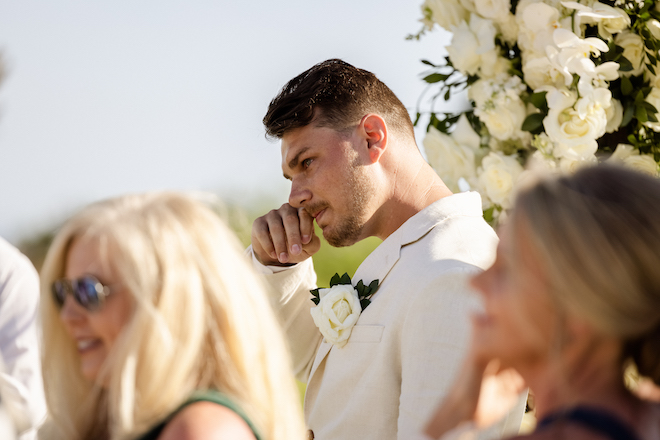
[364,292]
[335,280]
[316,299]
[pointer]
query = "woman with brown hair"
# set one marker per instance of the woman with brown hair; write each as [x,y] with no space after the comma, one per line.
[573,300]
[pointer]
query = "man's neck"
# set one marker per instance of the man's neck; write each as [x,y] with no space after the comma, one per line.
[410,194]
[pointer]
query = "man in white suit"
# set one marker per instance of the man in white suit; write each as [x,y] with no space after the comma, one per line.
[349,150]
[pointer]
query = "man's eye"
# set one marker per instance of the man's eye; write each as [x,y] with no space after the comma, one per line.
[306,163]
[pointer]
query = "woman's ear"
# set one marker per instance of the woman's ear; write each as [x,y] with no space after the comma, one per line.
[374,131]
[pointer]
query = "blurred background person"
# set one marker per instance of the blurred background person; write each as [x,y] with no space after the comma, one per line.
[572,300]
[156,327]
[21,386]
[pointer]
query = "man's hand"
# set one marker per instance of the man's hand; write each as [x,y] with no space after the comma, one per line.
[284,236]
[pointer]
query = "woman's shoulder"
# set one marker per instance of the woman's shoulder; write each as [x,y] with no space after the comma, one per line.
[563,431]
[646,427]
[206,420]
[650,423]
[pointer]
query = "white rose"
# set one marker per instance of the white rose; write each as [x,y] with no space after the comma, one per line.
[539,163]
[446,13]
[575,152]
[536,23]
[571,165]
[577,127]
[508,28]
[653,98]
[543,144]
[449,158]
[644,163]
[496,10]
[464,134]
[633,50]
[614,25]
[337,312]
[622,151]
[505,122]
[629,156]
[539,72]
[493,64]
[614,116]
[497,177]
[472,45]
[498,105]
[468,4]
[610,20]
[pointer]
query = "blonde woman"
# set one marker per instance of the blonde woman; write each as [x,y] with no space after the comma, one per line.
[571,301]
[155,327]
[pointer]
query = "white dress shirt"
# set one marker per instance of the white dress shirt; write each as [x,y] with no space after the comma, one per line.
[20,377]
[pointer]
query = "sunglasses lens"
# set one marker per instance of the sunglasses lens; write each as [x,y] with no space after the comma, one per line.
[87,292]
[59,292]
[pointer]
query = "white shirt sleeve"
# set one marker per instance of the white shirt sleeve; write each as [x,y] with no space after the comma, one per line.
[20,379]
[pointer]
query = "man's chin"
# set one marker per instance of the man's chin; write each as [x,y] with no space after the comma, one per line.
[335,239]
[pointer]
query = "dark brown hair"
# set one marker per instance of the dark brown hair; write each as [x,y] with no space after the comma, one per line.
[338,95]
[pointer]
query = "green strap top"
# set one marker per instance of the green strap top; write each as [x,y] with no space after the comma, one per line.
[201,396]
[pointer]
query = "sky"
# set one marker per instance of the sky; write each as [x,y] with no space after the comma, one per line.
[104,97]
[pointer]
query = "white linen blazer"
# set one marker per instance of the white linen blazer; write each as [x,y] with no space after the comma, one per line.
[408,344]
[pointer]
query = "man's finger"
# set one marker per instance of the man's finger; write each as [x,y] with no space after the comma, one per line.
[306,226]
[262,245]
[292,227]
[278,236]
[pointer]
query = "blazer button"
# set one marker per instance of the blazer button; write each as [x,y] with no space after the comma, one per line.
[310,435]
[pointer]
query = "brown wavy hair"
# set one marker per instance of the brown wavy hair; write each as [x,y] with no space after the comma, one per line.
[597,233]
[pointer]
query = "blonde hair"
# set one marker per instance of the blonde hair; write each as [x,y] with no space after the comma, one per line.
[597,234]
[201,320]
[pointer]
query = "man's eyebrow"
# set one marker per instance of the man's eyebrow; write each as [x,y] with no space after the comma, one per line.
[293,163]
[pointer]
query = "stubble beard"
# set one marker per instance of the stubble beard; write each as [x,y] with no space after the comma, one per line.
[358,192]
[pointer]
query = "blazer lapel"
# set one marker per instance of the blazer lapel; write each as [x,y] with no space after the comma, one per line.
[375,267]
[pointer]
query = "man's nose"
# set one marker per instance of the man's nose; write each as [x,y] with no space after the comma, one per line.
[299,195]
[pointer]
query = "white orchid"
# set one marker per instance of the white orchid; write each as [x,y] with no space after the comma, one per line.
[547,67]
[572,55]
[575,47]
[575,124]
[610,20]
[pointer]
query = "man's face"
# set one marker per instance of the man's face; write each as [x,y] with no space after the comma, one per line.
[329,181]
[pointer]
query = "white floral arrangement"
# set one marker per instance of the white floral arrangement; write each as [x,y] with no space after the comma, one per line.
[557,84]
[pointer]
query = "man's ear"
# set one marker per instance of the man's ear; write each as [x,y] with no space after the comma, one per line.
[374,131]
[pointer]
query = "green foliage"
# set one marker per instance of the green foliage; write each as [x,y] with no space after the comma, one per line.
[364,292]
[330,260]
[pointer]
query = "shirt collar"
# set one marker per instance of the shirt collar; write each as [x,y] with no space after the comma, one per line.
[379,263]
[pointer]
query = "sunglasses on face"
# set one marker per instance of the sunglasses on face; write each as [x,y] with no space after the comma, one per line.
[88,291]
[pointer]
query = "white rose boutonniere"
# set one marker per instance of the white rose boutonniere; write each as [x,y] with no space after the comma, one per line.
[338,307]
